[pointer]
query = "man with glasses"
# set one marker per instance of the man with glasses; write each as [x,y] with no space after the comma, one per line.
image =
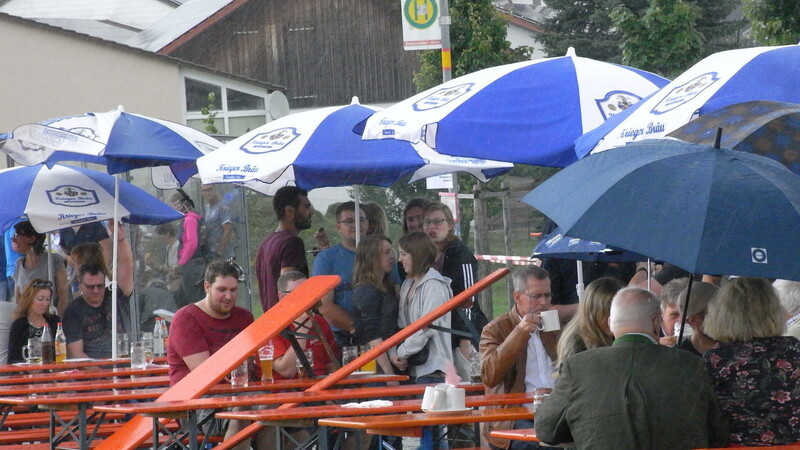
[87,319]
[337,306]
[282,250]
[515,355]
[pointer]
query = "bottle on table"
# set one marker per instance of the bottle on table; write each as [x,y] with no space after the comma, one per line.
[61,344]
[158,339]
[48,348]
[165,334]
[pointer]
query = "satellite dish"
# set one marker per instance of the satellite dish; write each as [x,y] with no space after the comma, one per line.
[278,105]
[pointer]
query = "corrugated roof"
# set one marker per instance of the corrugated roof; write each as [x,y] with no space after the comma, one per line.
[102,30]
[175,24]
[136,14]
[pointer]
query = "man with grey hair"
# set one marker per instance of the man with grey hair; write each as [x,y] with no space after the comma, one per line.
[606,397]
[670,311]
[694,338]
[789,294]
[515,355]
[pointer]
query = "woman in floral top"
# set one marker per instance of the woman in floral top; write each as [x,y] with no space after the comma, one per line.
[755,370]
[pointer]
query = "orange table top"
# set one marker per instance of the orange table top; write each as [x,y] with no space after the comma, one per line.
[155,408]
[68,364]
[78,374]
[84,385]
[411,424]
[398,406]
[522,434]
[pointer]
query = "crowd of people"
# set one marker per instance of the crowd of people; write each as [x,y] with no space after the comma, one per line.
[616,374]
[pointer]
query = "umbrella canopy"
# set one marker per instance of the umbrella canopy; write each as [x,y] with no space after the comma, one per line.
[706,210]
[769,129]
[719,80]
[64,196]
[557,245]
[529,112]
[318,148]
[120,140]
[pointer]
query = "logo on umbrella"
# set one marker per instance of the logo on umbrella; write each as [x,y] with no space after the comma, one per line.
[442,97]
[72,196]
[758,255]
[271,141]
[615,102]
[685,92]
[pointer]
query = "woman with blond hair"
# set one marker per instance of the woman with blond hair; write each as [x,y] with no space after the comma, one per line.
[375,306]
[589,328]
[755,371]
[33,312]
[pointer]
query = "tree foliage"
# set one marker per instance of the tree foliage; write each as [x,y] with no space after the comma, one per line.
[775,22]
[587,26]
[662,39]
[477,41]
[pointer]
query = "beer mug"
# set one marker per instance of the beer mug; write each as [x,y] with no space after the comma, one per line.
[141,356]
[32,353]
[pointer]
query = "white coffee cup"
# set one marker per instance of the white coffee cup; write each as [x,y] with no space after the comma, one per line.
[455,398]
[548,321]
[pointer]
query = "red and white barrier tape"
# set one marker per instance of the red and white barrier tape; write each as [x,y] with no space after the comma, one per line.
[502,259]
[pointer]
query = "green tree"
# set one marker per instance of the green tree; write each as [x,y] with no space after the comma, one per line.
[587,26]
[775,22]
[210,114]
[668,23]
[477,41]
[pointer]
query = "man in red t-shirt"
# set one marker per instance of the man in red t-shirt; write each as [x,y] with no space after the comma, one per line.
[282,250]
[285,362]
[200,329]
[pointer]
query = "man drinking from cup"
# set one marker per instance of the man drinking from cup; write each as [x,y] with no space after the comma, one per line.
[518,348]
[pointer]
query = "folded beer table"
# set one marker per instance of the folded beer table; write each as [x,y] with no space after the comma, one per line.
[419,424]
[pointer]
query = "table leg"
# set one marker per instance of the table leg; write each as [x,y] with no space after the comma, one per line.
[82,426]
[323,437]
[155,433]
[192,419]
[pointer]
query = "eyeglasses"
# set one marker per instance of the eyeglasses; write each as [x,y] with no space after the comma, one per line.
[537,297]
[434,222]
[41,283]
[94,287]
[350,222]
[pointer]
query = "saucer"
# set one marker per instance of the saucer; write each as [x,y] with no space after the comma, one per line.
[446,411]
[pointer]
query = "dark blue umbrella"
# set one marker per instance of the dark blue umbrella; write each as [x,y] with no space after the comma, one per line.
[706,210]
[557,245]
[765,128]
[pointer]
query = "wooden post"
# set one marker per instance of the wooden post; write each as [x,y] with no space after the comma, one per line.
[507,237]
[482,247]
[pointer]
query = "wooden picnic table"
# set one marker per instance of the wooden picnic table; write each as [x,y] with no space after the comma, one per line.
[419,424]
[78,374]
[108,391]
[189,409]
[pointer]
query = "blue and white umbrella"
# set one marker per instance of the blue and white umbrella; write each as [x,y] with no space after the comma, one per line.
[63,196]
[529,112]
[120,140]
[722,79]
[318,148]
[557,245]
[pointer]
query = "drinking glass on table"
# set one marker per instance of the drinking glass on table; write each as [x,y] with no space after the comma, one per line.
[371,365]
[349,354]
[32,353]
[240,375]
[141,356]
[266,355]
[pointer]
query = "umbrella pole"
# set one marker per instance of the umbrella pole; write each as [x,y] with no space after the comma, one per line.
[649,276]
[357,195]
[685,309]
[115,250]
[579,286]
